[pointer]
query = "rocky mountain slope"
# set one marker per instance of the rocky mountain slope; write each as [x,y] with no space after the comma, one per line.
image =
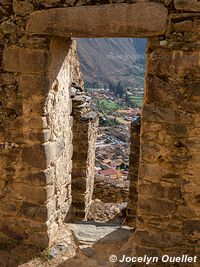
[108,60]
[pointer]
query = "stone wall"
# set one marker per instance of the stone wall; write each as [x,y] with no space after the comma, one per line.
[36,71]
[85,128]
[134,159]
[168,201]
[36,138]
[110,190]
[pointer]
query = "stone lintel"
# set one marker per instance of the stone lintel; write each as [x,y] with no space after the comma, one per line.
[114,20]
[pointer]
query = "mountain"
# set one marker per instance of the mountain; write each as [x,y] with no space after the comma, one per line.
[108,60]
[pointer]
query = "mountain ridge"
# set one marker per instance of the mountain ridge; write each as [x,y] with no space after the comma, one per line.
[110,60]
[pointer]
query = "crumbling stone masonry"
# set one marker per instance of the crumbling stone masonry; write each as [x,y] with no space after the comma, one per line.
[134,159]
[37,67]
[85,125]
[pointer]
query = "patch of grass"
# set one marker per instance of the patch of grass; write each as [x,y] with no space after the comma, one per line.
[136,101]
[105,104]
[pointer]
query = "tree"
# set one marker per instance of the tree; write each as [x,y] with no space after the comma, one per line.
[95,84]
[87,84]
[112,87]
[120,89]
[127,100]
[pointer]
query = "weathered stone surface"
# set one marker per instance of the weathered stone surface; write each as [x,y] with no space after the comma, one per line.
[41,138]
[183,26]
[192,227]
[22,7]
[153,205]
[8,27]
[133,170]
[110,190]
[38,178]
[26,60]
[38,133]
[187,5]
[84,138]
[159,239]
[172,99]
[34,194]
[140,19]
[141,251]
[177,63]
[155,113]
[34,212]
[41,239]
[35,156]
[33,84]
[151,189]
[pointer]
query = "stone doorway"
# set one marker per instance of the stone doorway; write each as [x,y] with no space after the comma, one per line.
[107,202]
[35,148]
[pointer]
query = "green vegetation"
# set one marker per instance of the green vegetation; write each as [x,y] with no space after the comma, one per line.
[121,91]
[118,89]
[107,122]
[122,97]
[136,101]
[106,106]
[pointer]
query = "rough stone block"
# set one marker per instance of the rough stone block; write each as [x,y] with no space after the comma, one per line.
[174,178]
[2,184]
[151,252]
[33,194]
[116,20]
[176,129]
[9,208]
[175,64]
[162,88]
[173,193]
[153,113]
[38,178]
[7,79]
[35,156]
[79,185]
[183,26]
[33,107]
[161,239]
[22,7]
[193,87]
[151,189]
[80,172]
[192,227]
[40,239]
[14,229]
[33,84]
[42,136]
[186,211]
[35,122]
[154,171]
[151,152]
[34,212]
[8,27]
[63,196]
[50,152]
[157,206]
[26,60]
[187,5]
